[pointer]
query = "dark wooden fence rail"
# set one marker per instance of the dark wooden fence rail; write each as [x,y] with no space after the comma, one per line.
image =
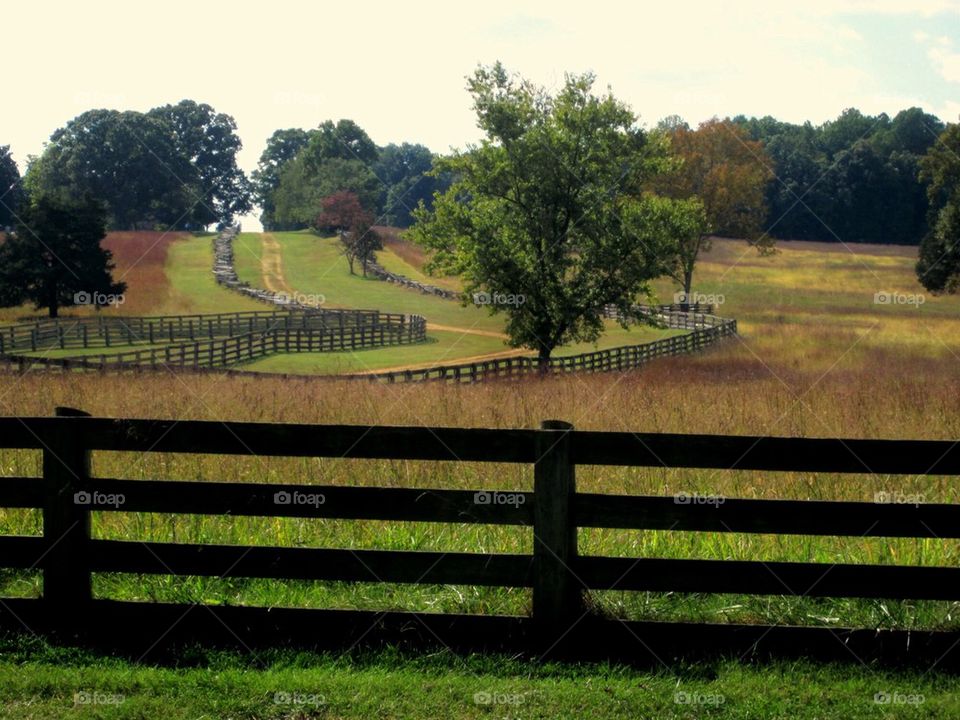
[559,623]
[706,331]
[109,331]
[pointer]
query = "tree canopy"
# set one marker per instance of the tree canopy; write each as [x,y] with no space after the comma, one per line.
[299,168]
[11,194]
[54,259]
[853,179]
[726,172]
[938,267]
[547,217]
[173,167]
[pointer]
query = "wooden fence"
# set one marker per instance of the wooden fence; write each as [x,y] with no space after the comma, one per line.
[110,331]
[706,331]
[221,353]
[560,623]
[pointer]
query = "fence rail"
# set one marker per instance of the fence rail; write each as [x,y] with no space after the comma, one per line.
[559,576]
[706,331]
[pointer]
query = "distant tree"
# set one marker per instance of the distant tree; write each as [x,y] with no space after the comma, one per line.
[938,267]
[297,199]
[54,259]
[404,171]
[851,127]
[344,140]
[11,193]
[282,147]
[208,140]
[343,212]
[547,214]
[129,161]
[728,172]
[853,179]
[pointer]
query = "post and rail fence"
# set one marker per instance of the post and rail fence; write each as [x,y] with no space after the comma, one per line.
[560,623]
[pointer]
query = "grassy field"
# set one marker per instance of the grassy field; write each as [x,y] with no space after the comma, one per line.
[817,357]
[314,266]
[39,682]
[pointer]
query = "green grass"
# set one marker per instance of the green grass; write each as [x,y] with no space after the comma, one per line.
[189,270]
[315,266]
[442,346]
[39,682]
[389,260]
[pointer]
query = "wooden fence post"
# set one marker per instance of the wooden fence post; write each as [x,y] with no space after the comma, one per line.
[557,597]
[66,525]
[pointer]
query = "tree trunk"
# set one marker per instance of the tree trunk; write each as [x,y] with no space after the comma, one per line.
[53,306]
[543,361]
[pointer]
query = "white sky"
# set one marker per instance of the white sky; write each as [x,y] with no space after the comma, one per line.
[398,69]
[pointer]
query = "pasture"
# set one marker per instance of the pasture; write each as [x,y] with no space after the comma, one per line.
[812,360]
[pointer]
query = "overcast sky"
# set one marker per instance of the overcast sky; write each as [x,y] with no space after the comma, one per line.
[398,69]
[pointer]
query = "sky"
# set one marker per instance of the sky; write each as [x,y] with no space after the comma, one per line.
[399,69]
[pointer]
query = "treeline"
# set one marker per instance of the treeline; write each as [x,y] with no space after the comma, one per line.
[172,167]
[853,179]
[299,168]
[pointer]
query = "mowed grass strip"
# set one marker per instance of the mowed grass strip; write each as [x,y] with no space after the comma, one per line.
[40,682]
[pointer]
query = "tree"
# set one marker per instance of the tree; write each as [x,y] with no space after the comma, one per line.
[282,147]
[404,171]
[11,194]
[129,161]
[938,267]
[728,173]
[208,140]
[343,212]
[547,215]
[54,259]
[297,199]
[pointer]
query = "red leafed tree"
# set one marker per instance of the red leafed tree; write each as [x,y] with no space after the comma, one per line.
[343,211]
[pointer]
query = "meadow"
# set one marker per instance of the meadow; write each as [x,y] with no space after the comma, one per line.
[817,357]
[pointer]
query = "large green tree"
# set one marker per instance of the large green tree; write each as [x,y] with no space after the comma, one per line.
[727,172]
[209,142]
[547,216]
[337,157]
[55,259]
[11,193]
[938,267]
[127,160]
[282,147]
[404,171]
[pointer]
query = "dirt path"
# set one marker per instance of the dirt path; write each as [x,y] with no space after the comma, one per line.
[451,361]
[271,266]
[466,331]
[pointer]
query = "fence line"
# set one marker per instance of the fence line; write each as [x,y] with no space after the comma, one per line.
[559,576]
[223,340]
